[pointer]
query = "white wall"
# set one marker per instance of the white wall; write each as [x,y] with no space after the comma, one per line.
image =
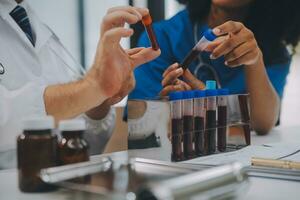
[95,10]
[291,100]
[172,7]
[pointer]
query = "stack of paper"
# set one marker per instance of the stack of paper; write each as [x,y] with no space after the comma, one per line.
[272,151]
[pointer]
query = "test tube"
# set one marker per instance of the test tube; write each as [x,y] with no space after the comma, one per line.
[211,117]
[188,124]
[199,119]
[222,119]
[147,22]
[207,38]
[243,102]
[176,125]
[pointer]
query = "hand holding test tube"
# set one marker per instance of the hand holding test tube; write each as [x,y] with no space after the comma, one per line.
[207,38]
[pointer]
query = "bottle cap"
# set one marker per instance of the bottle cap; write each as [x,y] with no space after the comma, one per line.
[211,85]
[39,123]
[173,96]
[223,92]
[72,125]
[210,93]
[147,20]
[188,94]
[199,93]
[209,35]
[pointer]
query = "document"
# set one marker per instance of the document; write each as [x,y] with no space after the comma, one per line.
[286,151]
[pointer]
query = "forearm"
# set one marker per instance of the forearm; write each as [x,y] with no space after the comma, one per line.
[70,100]
[264,101]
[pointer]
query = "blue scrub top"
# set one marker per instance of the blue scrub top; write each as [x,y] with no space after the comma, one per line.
[176,38]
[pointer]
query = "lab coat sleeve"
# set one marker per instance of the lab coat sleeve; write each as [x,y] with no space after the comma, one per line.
[23,102]
[99,131]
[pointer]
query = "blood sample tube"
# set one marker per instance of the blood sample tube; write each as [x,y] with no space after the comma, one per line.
[147,22]
[176,125]
[199,119]
[243,102]
[222,119]
[188,125]
[207,38]
[211,117]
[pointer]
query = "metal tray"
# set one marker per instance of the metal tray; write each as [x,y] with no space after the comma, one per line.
[112,178]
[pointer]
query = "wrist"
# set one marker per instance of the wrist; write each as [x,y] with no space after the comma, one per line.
[94,91]
[99,112]
[92,81]
[258,63]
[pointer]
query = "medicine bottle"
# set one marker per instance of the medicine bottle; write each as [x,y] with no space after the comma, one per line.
[73,148]
[36,149]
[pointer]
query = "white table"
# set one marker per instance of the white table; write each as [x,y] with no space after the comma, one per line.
[259,188]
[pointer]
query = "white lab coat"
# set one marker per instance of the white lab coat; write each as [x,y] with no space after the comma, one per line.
[28,71]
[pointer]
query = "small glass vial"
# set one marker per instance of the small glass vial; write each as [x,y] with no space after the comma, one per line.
[73,148]
[36,149]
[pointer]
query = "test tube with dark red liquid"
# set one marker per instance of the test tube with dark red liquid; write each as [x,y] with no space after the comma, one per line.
[207,38]
[188,125]
[176,125]
[222,119]
[147,22]
[211,117]
[243,102]
[199,119]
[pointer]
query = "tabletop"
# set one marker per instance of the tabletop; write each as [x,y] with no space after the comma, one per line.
[260,188]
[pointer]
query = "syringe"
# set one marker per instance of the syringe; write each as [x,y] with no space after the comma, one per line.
[207,38]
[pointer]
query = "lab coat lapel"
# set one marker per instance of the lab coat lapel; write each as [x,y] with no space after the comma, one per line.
[20,33]
[42,32]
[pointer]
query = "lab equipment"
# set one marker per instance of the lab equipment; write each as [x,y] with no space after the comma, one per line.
[285,164]
[222,119]
[223,182]
[188,125]
[199,121]
[36,149]
[177,125]
[73,148]
[207,38]
[147,22]
[211,117]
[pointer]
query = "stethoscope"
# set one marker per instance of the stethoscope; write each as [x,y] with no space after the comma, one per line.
[201,64]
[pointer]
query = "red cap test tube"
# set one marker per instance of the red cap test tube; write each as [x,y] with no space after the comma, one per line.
[147,22]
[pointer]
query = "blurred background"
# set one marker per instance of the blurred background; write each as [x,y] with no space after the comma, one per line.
[77,24]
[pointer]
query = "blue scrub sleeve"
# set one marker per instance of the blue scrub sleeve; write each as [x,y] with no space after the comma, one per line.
[149,76]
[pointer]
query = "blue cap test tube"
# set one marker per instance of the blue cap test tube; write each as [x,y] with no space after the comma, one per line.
[208,37]
[211,117]
[222,119]
[199,121]
[188,125]
[176,125]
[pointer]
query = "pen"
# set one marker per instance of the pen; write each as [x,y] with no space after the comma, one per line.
[285,164]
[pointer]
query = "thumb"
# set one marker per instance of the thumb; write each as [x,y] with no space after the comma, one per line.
[144,56]
[193,81]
